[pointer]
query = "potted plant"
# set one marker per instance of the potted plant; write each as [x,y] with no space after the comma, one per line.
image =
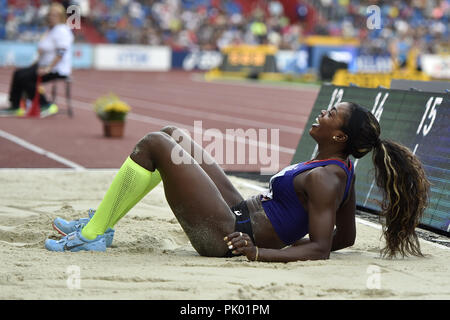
[112,111]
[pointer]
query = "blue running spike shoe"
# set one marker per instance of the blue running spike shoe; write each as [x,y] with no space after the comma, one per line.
[65,227]
[76,242]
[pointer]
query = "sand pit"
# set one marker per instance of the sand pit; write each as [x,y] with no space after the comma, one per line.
[151,257]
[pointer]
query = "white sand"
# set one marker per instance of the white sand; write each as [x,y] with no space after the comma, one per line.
[151,257]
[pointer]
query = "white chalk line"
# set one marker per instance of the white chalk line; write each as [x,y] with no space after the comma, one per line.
[130,94]
[29,146]
[219,117]
[163,122]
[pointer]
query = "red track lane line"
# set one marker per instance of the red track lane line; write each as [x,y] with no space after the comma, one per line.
[193,91]
[164,122]
[171,109]
[224,118]
[217,109]
[13,155]
[172,90]
[218,104]
[169,86]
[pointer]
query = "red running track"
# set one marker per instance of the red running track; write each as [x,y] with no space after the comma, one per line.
[157,99]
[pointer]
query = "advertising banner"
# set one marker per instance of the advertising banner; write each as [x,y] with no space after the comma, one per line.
[246,58]
[196,60]
[132,57]
[436,66]
[24,54]
[292,61]
[17,54]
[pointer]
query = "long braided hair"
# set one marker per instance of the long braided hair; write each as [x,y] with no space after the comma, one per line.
[400,177]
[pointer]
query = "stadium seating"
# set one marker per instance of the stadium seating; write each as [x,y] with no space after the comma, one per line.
[188,24]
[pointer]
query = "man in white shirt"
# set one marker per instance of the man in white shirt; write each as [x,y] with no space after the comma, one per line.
[54,61]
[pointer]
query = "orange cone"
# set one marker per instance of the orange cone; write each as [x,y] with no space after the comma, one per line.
[23,105]
[35,110]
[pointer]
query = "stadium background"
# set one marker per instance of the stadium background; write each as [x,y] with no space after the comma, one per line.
[276,54]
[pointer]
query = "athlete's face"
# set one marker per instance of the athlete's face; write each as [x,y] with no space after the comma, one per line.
[329,123]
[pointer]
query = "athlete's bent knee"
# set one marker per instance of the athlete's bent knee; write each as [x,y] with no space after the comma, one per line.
[169,129]
[177,134]
[147,147]
[153,140]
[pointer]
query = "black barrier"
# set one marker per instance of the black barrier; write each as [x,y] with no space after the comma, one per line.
[418,120]
[427,86]
[328,68]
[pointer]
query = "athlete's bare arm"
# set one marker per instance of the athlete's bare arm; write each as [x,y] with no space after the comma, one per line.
[323,187]
[345,232]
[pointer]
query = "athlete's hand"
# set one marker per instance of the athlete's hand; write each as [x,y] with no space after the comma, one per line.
[241,243]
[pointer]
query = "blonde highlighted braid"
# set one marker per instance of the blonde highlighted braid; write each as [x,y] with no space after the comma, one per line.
[401,178]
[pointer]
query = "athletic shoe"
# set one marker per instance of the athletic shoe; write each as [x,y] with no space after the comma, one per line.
[20,112]
[52,109]
[74,242]
[65,227]
[12,112]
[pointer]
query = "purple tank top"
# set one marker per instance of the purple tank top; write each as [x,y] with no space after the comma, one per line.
[282,206]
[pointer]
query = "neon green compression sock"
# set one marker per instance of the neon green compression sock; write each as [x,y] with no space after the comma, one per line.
[128,187]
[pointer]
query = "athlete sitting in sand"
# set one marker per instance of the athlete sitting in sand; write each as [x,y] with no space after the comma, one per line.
[315,197]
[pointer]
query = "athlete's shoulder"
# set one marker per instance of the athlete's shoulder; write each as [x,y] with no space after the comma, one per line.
[336,169]
[323,179]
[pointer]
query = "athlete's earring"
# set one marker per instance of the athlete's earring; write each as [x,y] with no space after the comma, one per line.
[335,138]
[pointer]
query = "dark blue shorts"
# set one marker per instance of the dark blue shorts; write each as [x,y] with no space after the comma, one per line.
[243,223]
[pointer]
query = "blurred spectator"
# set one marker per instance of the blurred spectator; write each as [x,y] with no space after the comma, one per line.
[53,62]
[213,24]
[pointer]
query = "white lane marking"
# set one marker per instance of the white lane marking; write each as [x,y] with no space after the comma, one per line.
[163,122]
[39,150]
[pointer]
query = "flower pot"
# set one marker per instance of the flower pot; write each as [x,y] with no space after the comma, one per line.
[113,129]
